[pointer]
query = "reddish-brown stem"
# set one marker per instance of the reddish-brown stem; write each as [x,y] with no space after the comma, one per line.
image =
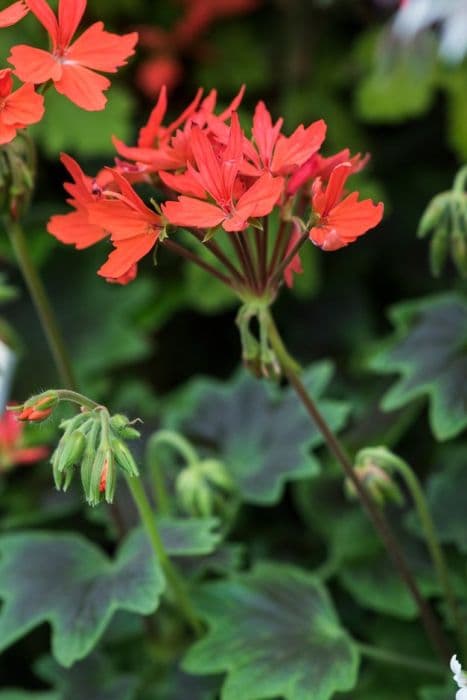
[244,257]
[279,271]
[278,246]
[381,525]
[189,255]
[220,255]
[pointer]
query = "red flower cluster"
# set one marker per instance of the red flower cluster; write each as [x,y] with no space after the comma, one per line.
[70,65]
[215,180]
[12,448]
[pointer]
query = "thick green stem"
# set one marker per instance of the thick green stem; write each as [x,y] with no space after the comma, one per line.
[393,658]
[174,581]
[178,443]
[289,367]
[41,302]
[433,544]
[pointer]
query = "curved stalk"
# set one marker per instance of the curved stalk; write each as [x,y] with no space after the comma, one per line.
[174,580]
[386,656]
[289,367]
[183,447]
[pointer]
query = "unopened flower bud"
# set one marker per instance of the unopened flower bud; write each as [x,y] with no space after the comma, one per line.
[123,457]
[17,175]
[72,450]
[121,425]
[205,488]
[446,218]
[37,408]
[374,466]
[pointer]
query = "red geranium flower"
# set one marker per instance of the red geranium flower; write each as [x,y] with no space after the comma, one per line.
[277,153]
[75,228]
[12,450]
[71,66]
[340,221]
[18,109]
[12,14]
[133,227]
[217,178]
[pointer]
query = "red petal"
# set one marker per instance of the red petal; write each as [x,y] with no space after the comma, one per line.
[34,65]
[101,50]
[262,196]
[75,228]
[120,219]
[187,211]
[352,218]
[148,134]
[12,14]
[23,107]
[296,149]
[184,183]
[70,14]
[125,255]
[264,133]
[83,87]
[7,132]
[6,82]
[45,16]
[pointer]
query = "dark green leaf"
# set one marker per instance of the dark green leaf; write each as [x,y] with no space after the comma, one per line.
[429,351]
[94,679]
[446,504]
[67,581]
[263,436]
[438,692]
[189,537]
[275,632]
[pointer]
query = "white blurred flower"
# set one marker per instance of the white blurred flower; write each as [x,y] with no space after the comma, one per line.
[460,677]
[416,15]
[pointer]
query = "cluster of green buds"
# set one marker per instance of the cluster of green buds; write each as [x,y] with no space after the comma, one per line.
[446,218]
[93,441]
[17,175]
[375,468]
[205,488]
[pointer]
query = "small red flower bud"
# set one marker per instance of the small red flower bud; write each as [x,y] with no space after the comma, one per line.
[103,481]
[38,416]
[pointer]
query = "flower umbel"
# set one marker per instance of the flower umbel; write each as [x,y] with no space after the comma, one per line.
[13,450]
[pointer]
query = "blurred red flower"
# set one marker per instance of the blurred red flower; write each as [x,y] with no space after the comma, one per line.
[18,109]
[12,449]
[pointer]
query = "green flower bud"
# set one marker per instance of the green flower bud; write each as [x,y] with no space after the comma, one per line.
[439,248]
[123,457]
[433,214]
[123,427]
[87,461]
[72,450]
[205,488]
[102,471]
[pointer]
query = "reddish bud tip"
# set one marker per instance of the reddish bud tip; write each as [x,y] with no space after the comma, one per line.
[103,481]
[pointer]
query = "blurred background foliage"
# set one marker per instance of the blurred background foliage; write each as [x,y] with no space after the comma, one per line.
[340,60]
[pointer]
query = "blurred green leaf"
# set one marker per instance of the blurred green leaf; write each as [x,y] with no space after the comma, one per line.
[429,351]
[66,127]
[264,437]
[275,632]
[94,678]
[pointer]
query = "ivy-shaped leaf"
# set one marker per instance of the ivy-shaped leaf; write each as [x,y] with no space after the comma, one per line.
[429,351]
[275,632]
[264,436]
[95,678]
[65,580]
